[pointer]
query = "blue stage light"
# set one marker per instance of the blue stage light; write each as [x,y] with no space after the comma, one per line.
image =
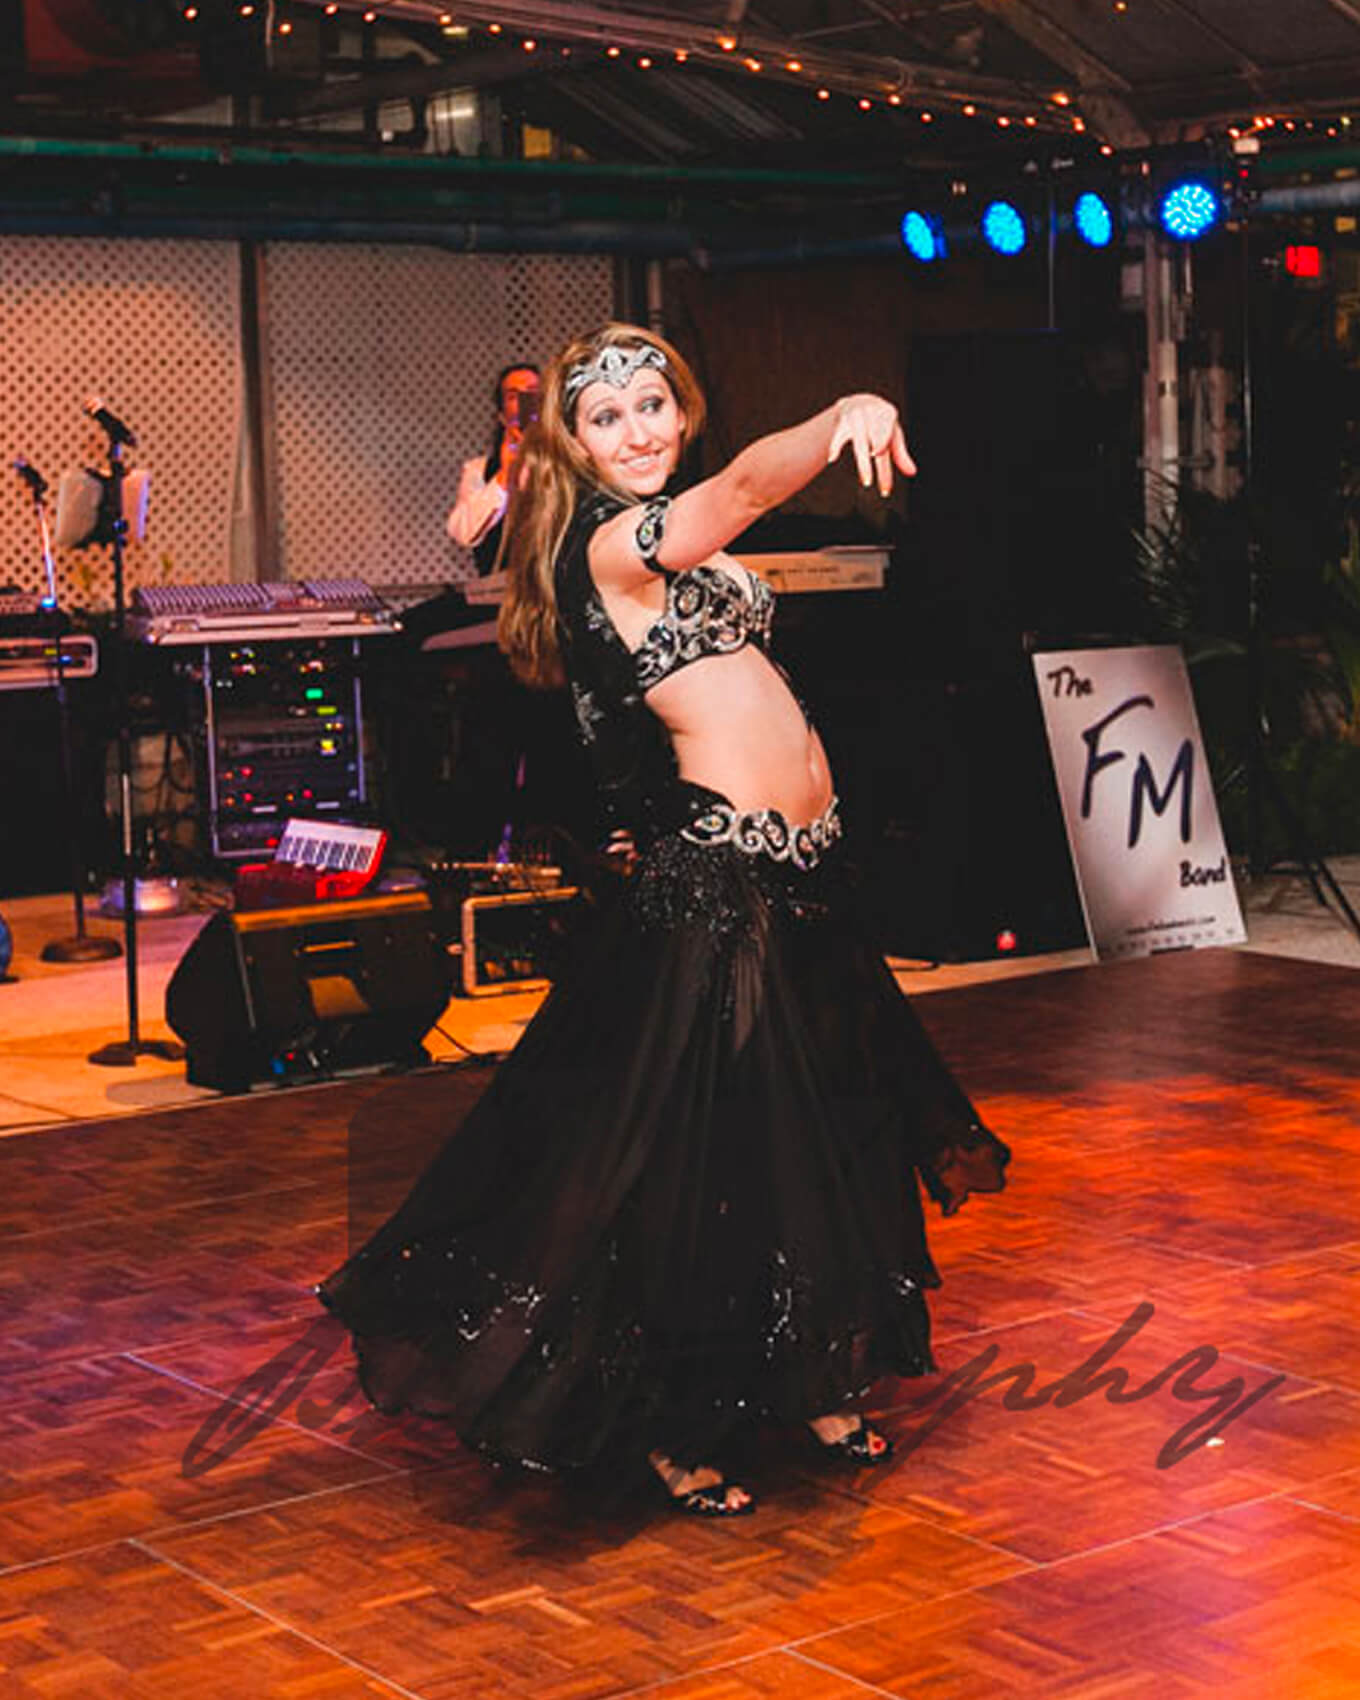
[922,237]
[1093,219]
[1004,227]
[1188,209]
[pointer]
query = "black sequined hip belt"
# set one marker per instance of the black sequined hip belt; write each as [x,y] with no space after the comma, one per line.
[764,832]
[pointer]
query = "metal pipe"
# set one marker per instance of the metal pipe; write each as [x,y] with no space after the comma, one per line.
[1161,397]
[561,172]
[647,241]
[798,252]
[644,240]
[1340,156]
[1310,197]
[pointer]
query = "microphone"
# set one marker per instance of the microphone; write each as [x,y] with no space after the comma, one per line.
[30,475]
[118,432]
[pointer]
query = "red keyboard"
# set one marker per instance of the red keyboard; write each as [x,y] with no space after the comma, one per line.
[314,861]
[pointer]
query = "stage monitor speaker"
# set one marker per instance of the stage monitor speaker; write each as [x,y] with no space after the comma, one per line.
[302,993]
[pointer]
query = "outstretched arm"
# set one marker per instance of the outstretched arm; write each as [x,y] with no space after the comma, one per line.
[769,471]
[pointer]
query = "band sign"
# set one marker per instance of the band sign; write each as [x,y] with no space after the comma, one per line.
[1137,799]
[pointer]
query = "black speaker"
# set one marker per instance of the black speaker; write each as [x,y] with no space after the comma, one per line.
[301,993]
[961,846]
[1022,515]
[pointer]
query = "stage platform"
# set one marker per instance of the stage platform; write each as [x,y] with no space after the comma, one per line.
[194,1501]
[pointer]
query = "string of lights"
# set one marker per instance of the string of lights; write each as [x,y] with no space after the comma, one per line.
[922,95]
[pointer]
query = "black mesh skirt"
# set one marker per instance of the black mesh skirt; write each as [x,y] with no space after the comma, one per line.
[692,1194]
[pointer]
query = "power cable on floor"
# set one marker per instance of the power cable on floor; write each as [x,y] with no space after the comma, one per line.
[469,1055]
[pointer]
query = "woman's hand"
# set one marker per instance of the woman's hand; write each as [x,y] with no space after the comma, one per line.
[871,426]
[512,440]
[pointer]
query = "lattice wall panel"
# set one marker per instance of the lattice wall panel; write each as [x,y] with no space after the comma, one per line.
[154,328]
[384,362]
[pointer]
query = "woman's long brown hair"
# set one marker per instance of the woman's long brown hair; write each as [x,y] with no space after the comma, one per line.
[552,473]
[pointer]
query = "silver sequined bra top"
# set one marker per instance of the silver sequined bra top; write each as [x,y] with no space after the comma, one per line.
[709,611]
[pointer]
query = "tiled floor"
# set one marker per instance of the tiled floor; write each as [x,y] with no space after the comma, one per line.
[195,1500]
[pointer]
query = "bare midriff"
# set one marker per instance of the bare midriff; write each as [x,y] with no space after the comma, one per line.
[734,724]
[737,728]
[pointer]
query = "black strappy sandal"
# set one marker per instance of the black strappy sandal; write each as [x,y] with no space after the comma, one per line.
[711,1501]
[707,1501]
[857,1447]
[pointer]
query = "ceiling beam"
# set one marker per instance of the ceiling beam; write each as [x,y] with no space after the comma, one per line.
[409,82]
[1041,31]
[874,75]
[848,26]
[653,135]
[1322,82]
[1180,9]
[885,14]
[1102,88]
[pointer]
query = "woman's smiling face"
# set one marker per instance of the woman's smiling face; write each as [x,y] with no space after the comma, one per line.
[634,434]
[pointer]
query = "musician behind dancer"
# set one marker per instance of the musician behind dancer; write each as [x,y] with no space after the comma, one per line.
[475,519]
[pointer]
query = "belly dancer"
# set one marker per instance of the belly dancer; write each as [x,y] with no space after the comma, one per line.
[691,1198]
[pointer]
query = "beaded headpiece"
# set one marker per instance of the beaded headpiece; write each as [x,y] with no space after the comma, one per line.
[614,366]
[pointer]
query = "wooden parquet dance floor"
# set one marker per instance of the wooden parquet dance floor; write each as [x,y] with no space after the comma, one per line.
[1138,1473]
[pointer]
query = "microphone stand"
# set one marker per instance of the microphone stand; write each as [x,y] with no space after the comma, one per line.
[124,1053]
[81,946]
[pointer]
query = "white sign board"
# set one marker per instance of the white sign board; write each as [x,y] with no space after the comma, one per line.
[1138,801]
